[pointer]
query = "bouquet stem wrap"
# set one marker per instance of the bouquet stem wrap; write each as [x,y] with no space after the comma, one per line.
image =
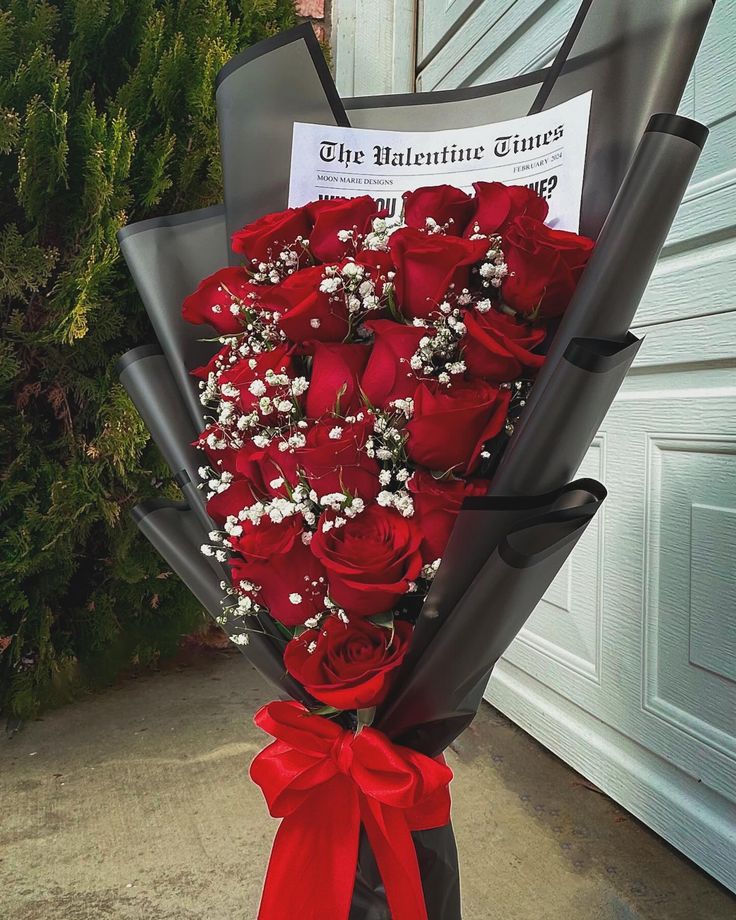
[324,782]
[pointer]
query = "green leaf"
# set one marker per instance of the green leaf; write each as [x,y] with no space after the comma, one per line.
[325,711]
[385,620]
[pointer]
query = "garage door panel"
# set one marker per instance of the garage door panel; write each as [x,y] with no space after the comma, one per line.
[562,638]
[440,20]
[476,54]
[691,282]
[690,582]
[715,69]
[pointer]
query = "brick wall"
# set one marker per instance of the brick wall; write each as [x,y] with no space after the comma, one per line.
[318,11]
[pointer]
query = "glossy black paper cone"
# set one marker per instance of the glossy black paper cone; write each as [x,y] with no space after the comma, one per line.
[260,94]
[554,435]
[438,866]
[480,526]
[175,532]
[602,308]
[146,375]
[168,257]
[446,687]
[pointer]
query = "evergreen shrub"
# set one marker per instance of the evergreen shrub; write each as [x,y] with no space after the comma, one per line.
[106,116]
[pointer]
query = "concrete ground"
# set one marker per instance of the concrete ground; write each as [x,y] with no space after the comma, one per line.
[135,805]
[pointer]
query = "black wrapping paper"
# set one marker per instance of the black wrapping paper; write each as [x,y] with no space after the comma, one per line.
[445,687]
[481,525]
[260,94]
[567,415]
[168,257]
[438,866]
[616,276]
[147,377]
[584,369]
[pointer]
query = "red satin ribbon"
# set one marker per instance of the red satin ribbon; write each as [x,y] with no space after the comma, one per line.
[324,782]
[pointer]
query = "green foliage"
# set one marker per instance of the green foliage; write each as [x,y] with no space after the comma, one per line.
[106,116]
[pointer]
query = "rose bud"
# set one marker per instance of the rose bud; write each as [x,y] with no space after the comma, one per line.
[336,369]
[264,239]
[498,347]
[336,214]
[544,266]
[281,565]
[214,297]
[436,505]
[496,205]
[371,560]
[388,374]
[450,426]
[350,665]
[308,313]
[446,205]
[334,458]
[230,502]
[427,265]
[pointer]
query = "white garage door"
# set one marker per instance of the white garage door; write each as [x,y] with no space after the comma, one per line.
[627,670]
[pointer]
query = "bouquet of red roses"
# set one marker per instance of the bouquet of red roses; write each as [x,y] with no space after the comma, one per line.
[387,496]
[368,377]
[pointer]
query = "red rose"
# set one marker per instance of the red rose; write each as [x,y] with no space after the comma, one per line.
[496,205]
[271,464]
[336,370]
[370,560]
[426,266]
[248,376]
[248,463]
[444,204]
[450,426]
[388,375]
[309,314]
[436,505]
[544,266]
[214,297]
[334,458]
[231,501]
[289,579]
[498,347]
[263,239]
[334,215]
[378,261]
[350,665]
[267,538]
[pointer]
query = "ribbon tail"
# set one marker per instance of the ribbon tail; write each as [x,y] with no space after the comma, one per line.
[311,872]
[396,858]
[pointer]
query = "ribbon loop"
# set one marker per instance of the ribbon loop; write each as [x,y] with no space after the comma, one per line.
[332,781]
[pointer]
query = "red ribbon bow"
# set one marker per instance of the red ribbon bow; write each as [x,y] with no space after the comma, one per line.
[324,781]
